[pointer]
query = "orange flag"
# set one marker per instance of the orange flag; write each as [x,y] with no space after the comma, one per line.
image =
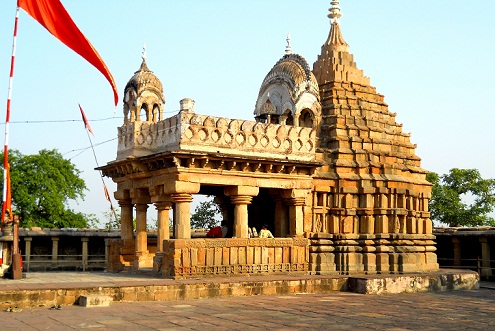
[107,196]
[53,16]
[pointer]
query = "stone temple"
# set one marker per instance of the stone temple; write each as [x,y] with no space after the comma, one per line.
[323,163]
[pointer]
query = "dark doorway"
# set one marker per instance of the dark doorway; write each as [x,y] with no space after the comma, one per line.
[262,211]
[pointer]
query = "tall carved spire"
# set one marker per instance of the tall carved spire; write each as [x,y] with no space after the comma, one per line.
[358,133]
[335,39]
[335,63]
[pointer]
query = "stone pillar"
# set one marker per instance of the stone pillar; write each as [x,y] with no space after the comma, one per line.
[240,203]
[456,241]
[182,215]
[241,196]
[163,232]
[55,250]
[296,216]
[85,258]
[126,226]
[486,270]
[296,119]
[27,256]
[141,234]
[295,199]
[141,242]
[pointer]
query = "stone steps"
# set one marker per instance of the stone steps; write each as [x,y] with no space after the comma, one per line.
[93,293]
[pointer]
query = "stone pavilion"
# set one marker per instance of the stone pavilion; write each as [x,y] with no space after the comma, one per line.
[323,163]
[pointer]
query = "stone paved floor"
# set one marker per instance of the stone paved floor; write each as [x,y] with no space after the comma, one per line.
[458,310]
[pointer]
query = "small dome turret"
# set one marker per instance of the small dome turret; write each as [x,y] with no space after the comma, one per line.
[288,90]
[143,92]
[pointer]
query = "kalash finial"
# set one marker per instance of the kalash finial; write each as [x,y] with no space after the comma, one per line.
[288,49]
[334,12]
[143,55]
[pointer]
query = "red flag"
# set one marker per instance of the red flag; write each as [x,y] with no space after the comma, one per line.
[107,196]
[85,120]
[53,16]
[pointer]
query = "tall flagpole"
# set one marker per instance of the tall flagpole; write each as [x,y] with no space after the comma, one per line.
[6,182]
[88,129]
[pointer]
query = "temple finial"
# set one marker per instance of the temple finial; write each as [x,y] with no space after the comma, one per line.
[143,55]
[288,49]
[334,12]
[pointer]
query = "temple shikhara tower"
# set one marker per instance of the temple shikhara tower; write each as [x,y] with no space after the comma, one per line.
[324,164]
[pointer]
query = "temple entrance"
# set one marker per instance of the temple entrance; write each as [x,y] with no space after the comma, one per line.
[262,211]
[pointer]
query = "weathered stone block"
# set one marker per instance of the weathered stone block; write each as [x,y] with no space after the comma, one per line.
[95,300]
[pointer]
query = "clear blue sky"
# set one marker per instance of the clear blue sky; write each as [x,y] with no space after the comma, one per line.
[433,61]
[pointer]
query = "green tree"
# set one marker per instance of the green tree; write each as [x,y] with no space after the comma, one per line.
[113,219]
[450,193]
[42,185]
[205,214]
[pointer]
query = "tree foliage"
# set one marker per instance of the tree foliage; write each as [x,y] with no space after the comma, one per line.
[452,192]
[205,215]
[42,185]
[113,220]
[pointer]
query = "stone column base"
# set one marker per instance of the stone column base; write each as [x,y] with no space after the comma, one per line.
[142,260]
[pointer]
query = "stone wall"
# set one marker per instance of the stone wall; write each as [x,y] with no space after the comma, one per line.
[232,256]
[64,249]
[371,254]
[467,248]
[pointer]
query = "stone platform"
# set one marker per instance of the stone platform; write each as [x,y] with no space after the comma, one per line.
[66,288]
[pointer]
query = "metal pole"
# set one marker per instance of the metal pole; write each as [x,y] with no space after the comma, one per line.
[6,183]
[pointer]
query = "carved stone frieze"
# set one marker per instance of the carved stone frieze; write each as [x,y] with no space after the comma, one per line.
[201,133]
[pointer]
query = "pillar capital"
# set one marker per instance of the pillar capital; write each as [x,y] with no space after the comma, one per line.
[241,199]
[140,196]
[294,193]
[231,191]
[125,203]
[142,207]
[122,193]
[159,195]
[178,187]
[295,201]
[163,205]
[181,197]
